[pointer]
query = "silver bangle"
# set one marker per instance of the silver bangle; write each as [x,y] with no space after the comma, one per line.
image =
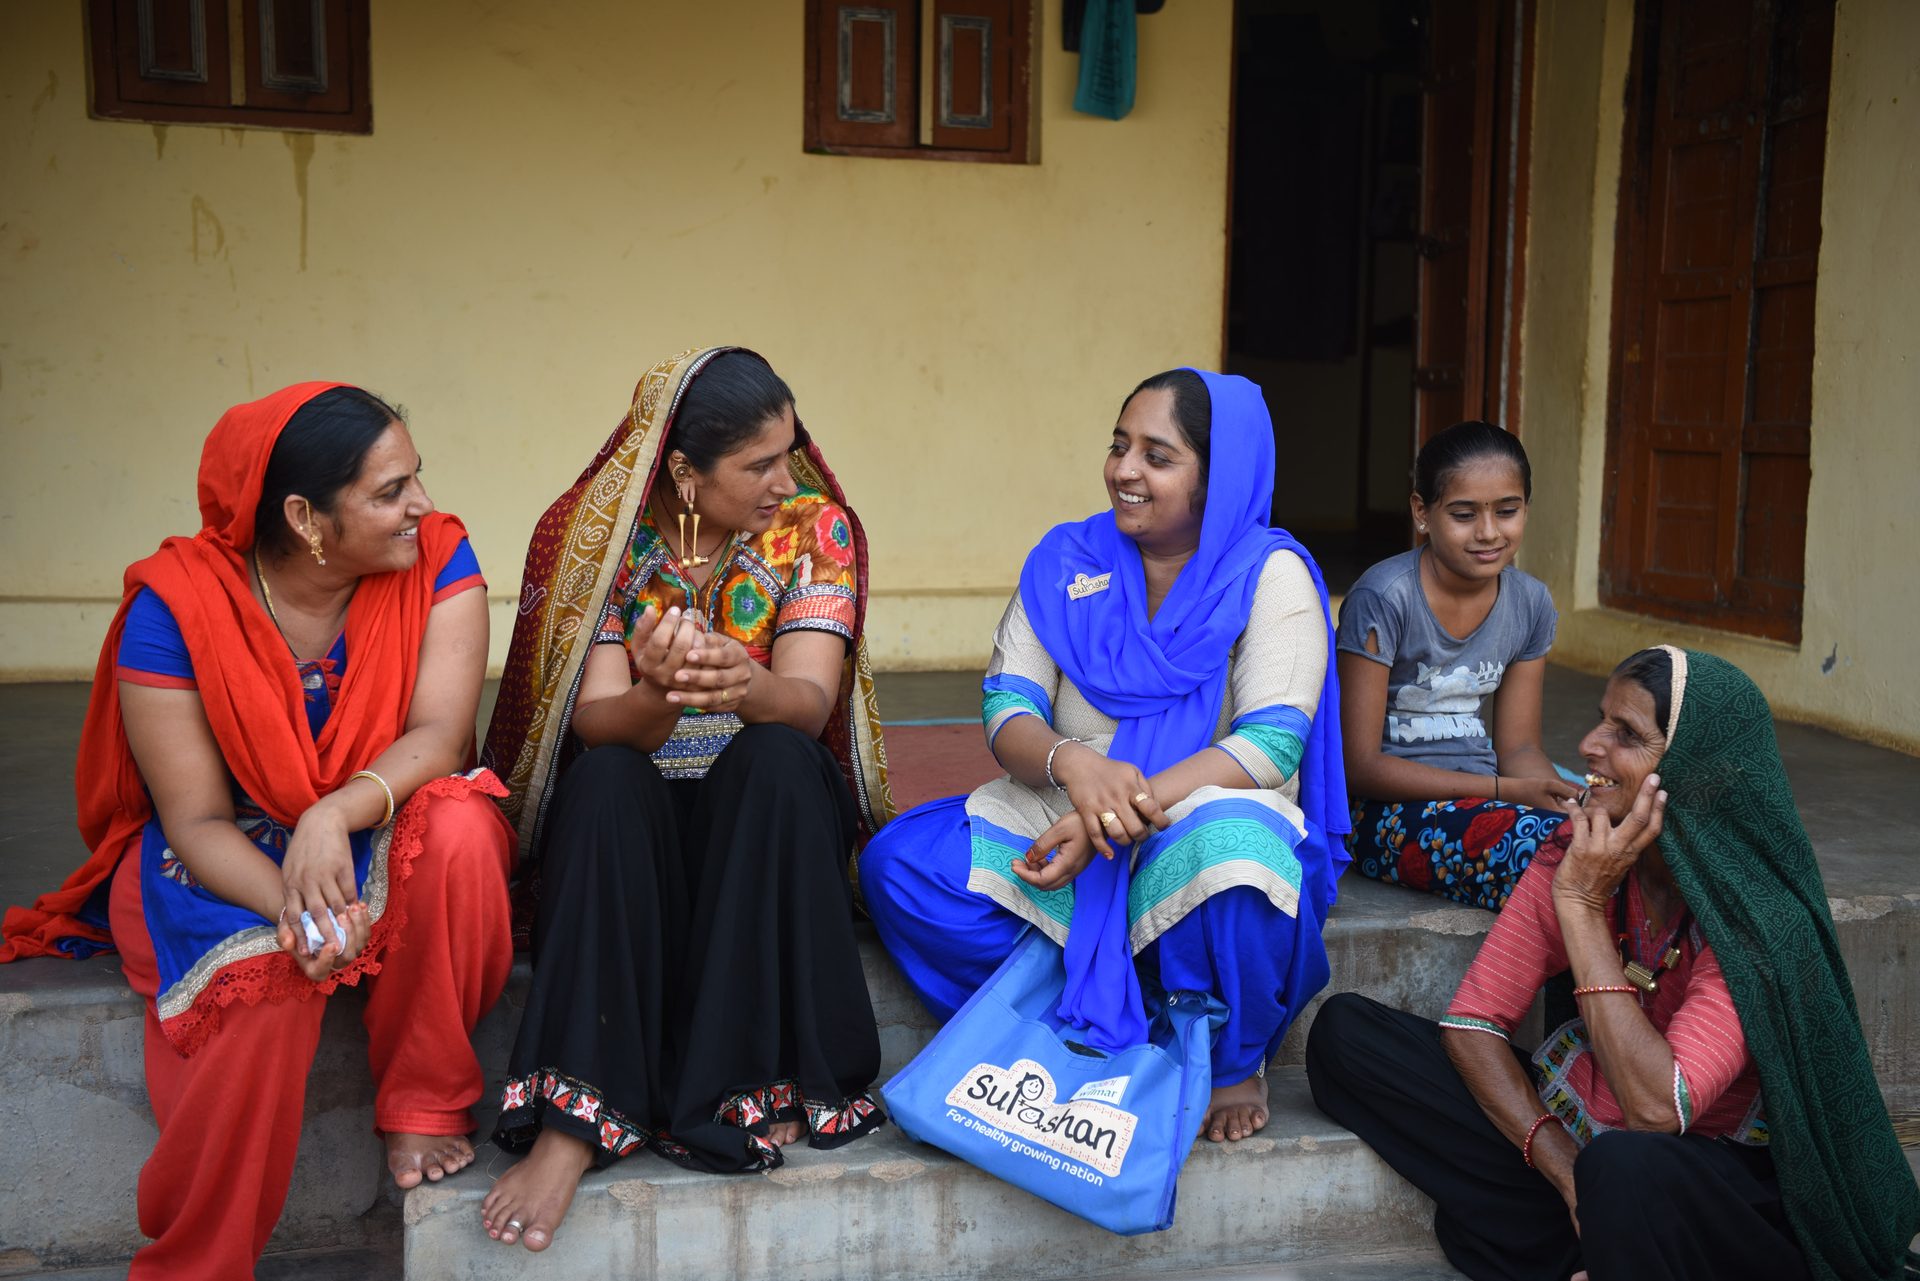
[1050,751]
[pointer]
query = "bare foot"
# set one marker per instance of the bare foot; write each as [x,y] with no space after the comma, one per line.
[1237,1111]
[532,1197]
[781,1133]
[412,1157]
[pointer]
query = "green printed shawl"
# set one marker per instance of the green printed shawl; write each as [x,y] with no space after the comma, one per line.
[1734,841]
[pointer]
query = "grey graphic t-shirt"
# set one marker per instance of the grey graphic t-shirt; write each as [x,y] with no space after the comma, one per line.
[1438,684]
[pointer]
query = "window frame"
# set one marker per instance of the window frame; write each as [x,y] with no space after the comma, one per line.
[914,85]
[231,61]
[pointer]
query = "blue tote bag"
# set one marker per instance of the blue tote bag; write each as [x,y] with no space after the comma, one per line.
[1005,1086]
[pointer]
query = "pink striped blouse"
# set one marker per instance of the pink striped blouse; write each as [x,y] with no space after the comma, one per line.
[1716,1087]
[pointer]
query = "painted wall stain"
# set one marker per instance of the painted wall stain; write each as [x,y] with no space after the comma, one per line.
[209,235]
[40,100]
[159,142]
[1826,664]
[301,145]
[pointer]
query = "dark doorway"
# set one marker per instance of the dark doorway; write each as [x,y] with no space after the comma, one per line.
[1377,228]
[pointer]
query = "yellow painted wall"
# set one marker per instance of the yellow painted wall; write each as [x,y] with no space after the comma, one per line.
[555,195]
[1853,668]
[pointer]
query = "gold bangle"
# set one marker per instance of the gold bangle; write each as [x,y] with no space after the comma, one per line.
[367,773]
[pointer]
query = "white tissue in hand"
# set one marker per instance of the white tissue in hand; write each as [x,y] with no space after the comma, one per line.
[315,939]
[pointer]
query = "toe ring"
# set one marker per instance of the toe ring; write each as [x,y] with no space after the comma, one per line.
[514,1225]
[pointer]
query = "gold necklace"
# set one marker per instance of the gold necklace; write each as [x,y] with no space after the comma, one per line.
[266,593]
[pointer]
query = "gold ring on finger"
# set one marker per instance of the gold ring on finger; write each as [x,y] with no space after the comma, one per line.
[1108,818]
[726,695]
[1142,798]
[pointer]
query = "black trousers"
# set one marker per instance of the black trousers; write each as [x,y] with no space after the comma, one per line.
[696,973]
[1652,1207]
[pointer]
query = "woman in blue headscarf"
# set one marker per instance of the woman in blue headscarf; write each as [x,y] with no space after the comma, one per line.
[1162,699]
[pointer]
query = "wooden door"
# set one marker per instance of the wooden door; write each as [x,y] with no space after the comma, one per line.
[1713,312]
[1473,159]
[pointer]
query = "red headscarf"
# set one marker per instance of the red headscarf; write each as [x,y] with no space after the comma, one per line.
[247,683]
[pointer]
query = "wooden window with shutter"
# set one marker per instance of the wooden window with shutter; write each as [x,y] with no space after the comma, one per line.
[929,79]
[1719,238]
[279,64]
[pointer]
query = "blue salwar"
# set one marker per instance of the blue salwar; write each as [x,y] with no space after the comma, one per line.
[1263,963]
[1231,897]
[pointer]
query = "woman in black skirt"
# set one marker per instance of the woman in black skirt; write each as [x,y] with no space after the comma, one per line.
[697,984]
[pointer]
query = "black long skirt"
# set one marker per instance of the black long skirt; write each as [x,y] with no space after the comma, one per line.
[696,975]
[1653,1207]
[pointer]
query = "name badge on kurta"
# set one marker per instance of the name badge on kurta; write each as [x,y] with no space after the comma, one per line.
[1082,587]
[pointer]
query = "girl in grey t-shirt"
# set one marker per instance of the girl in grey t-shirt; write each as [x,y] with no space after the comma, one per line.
[1442,657]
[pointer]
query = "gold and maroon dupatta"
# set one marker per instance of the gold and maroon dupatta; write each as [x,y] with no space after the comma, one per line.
[576,550]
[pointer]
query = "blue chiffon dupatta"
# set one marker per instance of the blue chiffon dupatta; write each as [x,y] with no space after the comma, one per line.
[1164,679]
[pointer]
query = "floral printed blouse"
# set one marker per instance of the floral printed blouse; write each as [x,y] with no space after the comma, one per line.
[796,576]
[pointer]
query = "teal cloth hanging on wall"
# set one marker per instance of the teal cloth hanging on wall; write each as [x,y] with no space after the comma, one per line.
[1109,52]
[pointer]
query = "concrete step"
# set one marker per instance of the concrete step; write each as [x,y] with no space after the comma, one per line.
[1398,1266]
[72,1083]
[72,1080]
[73,1100]
[366,1263]
[70,1049]
[888,1207]
[385,1265]
[1404,948]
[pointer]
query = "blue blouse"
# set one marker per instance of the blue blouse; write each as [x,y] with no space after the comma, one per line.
[194,930]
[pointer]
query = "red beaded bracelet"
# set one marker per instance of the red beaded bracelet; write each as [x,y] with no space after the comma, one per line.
[1606,987]
[1526,1149]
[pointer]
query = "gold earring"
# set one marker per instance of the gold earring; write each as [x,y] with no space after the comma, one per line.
[688,549]
[313,539]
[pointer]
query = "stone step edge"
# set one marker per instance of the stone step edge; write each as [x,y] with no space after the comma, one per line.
[1302,1187]
[1370,908]
[1353,1265]
[56,984]
[1293,1121]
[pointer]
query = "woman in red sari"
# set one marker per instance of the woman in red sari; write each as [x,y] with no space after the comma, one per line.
[264,783]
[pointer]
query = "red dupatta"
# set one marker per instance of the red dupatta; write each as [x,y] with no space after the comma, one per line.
[250,690]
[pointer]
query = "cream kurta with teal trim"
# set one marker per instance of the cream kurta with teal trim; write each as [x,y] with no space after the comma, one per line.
[1279,662]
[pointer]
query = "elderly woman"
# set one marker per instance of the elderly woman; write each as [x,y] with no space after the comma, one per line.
[1160,695]
[1712,1113]
[263,784]
[695,635]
